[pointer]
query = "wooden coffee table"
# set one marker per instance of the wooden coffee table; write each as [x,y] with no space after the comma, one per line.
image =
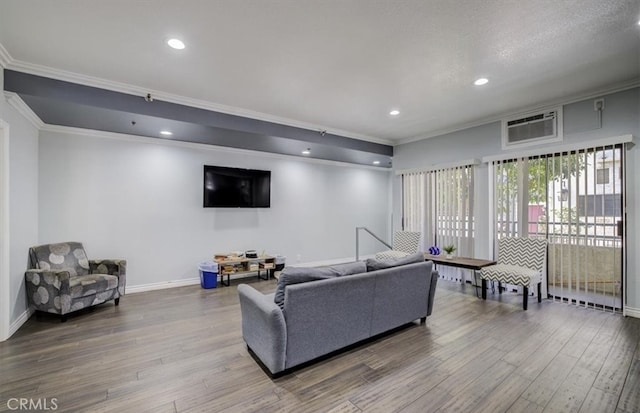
[473,264]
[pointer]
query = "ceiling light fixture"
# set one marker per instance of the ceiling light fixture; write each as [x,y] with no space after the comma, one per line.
[481,81]
[166,133]
[176,44]
[376,162]
[394,112]
[307,151]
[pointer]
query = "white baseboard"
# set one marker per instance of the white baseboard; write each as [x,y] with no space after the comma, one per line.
[632,312]
[24,317]
[175,283]
[133,289]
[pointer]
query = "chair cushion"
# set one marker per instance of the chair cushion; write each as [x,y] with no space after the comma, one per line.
[373,265]
[91,284]
[391,255]
[511,274]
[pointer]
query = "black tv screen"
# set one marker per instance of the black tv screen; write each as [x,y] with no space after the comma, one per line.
[236,188]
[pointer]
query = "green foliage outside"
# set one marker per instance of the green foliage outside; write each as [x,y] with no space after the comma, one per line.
[541,172]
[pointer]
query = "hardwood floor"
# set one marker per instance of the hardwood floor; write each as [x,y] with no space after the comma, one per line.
[181,350]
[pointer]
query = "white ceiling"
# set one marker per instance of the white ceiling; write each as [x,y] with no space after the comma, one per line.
[339,65]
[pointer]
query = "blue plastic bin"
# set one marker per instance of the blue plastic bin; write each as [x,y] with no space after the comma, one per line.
[208,274]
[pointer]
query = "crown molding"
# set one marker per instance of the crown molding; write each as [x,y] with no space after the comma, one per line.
[18,104]
[92,81]
[5,57]
[618,87]
[200,146]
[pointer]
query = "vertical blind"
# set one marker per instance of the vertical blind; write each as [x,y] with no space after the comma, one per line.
[574,200]
[439,204]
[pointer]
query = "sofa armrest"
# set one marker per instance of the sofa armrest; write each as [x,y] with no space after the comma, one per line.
[111,267]
[48,290]
[432,290]
[263,327]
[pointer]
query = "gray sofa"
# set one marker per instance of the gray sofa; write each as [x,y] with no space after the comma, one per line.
[322,316]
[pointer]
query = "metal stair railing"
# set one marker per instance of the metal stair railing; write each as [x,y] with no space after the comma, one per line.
[370,233]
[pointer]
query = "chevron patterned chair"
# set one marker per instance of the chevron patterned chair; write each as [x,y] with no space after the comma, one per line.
[404,243]
[521,261]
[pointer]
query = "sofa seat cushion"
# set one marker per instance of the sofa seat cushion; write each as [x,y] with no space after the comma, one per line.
[90,284]
[374,264]
[297,275]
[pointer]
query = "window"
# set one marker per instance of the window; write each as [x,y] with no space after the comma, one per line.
[601,205]
[602,176]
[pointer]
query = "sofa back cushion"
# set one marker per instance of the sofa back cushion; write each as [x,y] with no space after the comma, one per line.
[349,268]
[327,315]
[402,295]
[297,275]
[373,264]
[68,256]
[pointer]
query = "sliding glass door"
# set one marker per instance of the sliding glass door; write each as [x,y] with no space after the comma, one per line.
[574,200]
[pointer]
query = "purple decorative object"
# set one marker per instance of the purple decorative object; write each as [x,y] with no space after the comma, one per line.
[434,250]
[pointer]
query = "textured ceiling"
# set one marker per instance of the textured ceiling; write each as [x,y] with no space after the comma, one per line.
[338,65]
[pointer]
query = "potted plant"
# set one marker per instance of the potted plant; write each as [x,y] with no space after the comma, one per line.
[449,249]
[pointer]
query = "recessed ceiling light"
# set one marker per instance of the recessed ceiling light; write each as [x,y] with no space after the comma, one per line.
[376,162]
[307,151]
[394,112]
[166,133]
[481,81]
[176,44]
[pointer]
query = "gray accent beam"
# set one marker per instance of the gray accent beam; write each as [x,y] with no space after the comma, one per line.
[70,104]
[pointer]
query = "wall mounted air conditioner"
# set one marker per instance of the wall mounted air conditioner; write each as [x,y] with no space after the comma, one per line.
[532,129]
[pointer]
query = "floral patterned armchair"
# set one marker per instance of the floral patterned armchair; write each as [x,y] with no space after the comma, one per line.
[61,279]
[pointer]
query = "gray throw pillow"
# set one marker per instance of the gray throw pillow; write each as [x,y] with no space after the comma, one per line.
[373,264]
[297,275]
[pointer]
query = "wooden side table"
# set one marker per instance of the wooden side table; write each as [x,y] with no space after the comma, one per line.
[474,264]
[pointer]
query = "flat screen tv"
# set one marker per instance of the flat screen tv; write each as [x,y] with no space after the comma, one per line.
[236,188]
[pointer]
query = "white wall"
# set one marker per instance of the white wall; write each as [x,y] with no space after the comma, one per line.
[141,200]
[23,202]
[5,301]
[621,116]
